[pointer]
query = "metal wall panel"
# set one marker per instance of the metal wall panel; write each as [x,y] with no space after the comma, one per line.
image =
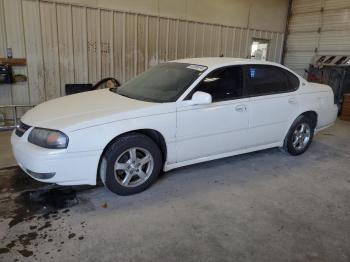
[130,47]
[152,41]
[216,41]
[181,39]
[80,44]
[191,37]
[94,44]
[301,41]
[50,50]
[15,38]
[5,90]
[107,38]
[33,44]
[66,43]
[317,27]
[337,20]
[298,60]
[141,43]
[336,4]
[163,40]
[3,41]
[305,6]
[334,42]
[304,23]
[208,30]
[118,45]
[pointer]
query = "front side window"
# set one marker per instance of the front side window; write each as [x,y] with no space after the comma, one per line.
[222,84]
[266,79]
[162,83]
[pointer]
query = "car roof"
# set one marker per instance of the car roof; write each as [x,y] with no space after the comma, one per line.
[214,62]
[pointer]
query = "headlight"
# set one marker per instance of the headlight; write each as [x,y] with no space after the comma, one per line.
[48,138]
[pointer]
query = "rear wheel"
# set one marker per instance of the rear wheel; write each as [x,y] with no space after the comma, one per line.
[131,164]
[299,136]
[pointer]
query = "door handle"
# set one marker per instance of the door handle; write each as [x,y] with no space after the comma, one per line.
[241,108]
[292,100]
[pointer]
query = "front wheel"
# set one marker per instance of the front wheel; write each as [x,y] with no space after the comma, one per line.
[299,136]
[130,164]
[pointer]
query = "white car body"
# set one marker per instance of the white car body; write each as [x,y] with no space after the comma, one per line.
[192,133]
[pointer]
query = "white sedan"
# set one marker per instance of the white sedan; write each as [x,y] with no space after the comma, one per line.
[175,114]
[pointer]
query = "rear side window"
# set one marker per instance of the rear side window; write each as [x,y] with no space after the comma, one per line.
[222,84]
[266,79]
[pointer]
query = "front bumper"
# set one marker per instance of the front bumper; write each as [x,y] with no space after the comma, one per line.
[57,166]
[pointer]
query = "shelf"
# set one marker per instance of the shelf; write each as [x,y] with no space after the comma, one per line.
[13,61]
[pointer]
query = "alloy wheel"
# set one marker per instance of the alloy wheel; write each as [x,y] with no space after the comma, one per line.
[301,136]
[133,167]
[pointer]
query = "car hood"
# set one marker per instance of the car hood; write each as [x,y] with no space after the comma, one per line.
[87,109]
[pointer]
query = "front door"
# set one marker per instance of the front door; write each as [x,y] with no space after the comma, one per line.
[220,127]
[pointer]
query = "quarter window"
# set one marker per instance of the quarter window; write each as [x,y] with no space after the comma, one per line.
[264,80]
[222,84]
[293,80]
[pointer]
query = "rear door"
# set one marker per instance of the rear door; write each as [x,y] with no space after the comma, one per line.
[273,103]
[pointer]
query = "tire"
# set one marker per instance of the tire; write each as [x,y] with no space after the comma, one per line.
[298,141]
[124,170]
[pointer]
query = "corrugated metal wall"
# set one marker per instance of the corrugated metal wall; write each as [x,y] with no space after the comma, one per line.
[66,43]
[317,27]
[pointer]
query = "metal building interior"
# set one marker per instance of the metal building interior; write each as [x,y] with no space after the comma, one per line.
[260,206]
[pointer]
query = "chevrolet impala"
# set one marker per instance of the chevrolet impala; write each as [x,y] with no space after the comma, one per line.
[175,114]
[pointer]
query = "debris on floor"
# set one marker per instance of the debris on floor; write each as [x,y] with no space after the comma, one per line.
[42,207]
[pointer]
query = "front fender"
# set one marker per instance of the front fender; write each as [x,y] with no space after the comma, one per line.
[98,137]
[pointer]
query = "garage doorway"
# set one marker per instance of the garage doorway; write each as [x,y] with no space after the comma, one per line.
[259,49]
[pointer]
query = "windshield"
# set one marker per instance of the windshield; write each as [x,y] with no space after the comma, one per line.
[162,83]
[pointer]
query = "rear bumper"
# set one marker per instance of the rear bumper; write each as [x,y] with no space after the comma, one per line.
[327,118]
[55,166]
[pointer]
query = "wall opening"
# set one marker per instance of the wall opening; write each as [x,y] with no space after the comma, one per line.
[259,49]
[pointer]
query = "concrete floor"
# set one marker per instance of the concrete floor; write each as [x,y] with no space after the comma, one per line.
[6,158]
[264,206]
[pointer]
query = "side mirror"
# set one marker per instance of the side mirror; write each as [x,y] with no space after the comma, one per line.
[201,98]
